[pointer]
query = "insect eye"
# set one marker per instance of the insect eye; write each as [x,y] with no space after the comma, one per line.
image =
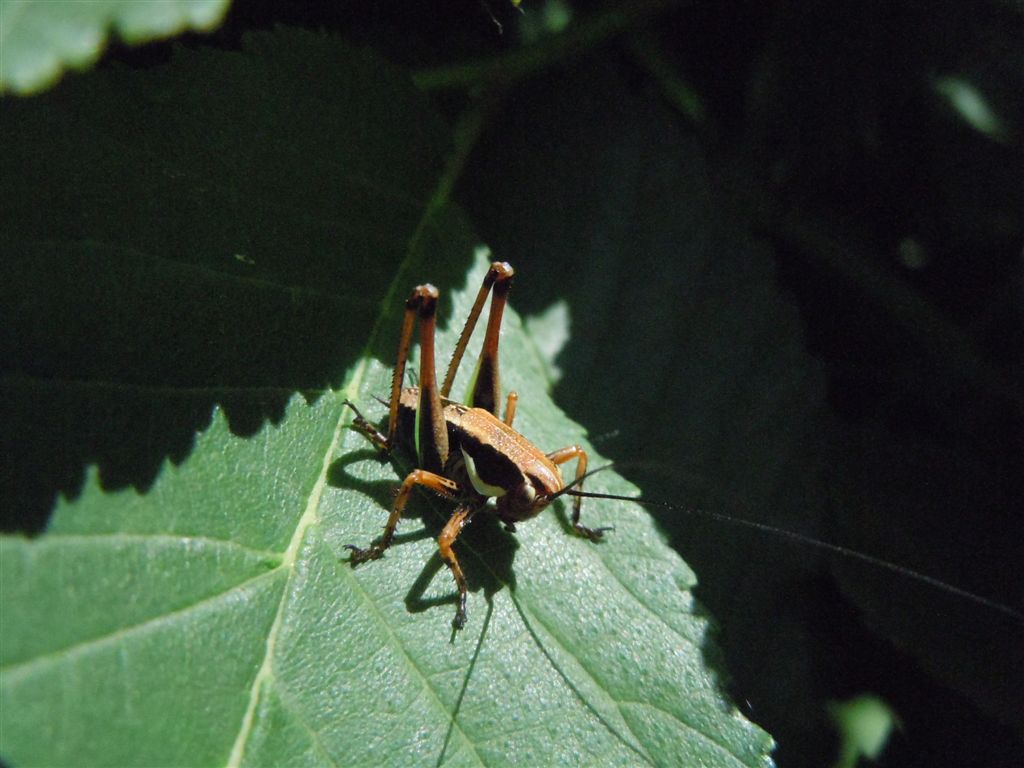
[525,495]
[528,492]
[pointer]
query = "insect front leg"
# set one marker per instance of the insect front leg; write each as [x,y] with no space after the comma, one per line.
[361,425]
[462,515]
[440,485]
[562,456]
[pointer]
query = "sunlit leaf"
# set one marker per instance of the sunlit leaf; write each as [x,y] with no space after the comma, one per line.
[201,611]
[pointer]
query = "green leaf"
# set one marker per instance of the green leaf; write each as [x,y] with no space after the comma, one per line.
[222,595]
[207,615]
[39,39]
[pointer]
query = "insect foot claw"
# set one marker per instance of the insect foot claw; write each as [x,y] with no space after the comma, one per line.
[460,619]
[362,555]
[594,534]
[460,614]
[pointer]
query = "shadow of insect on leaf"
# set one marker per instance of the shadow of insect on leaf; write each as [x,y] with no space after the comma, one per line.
[486,549]
[338,476]
[489,551]
[465,681]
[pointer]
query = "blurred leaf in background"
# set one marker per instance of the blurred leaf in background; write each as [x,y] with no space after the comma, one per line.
[39,39]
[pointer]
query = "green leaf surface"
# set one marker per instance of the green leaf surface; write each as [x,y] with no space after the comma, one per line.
[222,594]
[200,610]
[39,39]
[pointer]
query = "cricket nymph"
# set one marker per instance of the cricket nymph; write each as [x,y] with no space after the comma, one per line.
[465,452]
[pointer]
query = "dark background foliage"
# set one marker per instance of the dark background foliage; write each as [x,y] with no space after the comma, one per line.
[819,135]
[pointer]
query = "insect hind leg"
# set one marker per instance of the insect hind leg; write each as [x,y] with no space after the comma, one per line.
[485,388]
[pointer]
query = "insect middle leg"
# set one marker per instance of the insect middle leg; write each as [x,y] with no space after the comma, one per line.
[364,427]
[510,407]
[462,515]
[440,485]
[562,456]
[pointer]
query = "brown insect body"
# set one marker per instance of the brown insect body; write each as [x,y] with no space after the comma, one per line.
[465,452]
[491,458]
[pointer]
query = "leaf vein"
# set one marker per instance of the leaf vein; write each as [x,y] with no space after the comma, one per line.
[688,726]
[568,681]
[28,667]
[314,735]
[411,663]
[660,619]
[145,538]
[23,380]
[192,269]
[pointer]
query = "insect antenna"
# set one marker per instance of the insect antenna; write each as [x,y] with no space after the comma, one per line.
[1011,613]
[571,487]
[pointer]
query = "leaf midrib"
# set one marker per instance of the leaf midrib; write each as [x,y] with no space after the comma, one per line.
[309,517]
[437,201]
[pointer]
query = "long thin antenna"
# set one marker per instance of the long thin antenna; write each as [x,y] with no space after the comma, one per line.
[571,487]
[837,549]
